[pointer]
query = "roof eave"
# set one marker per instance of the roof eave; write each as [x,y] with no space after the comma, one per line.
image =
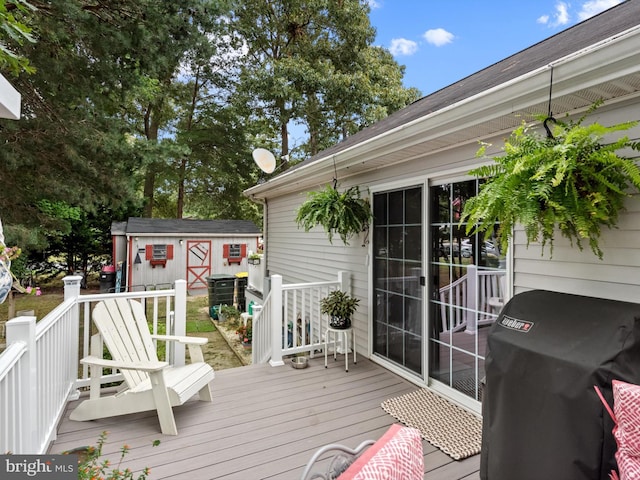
[602,62]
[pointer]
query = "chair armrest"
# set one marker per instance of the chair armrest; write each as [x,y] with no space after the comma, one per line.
[341,457]
[181,339]
[142,366]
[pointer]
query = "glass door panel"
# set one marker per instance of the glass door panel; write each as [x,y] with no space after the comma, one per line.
[397,277]
[465,271]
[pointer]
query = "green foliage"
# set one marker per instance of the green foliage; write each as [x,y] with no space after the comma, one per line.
[573,182]
[14,29]
[345,214]
[93,467]
[311,62]
[229,312]
[339,304]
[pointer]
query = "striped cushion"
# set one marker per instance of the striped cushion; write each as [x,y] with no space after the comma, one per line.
[626,407]
[397,455]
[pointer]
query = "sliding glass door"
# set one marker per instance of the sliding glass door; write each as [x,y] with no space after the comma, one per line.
[467,275]
[397,277]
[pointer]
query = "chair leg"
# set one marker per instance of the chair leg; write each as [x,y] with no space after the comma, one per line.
[345,340]
[353,337]
[326,345]
[163,405]
[205,393]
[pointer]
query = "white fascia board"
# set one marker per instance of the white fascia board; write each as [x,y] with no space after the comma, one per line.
[605,61]
[9,100]
[189,236]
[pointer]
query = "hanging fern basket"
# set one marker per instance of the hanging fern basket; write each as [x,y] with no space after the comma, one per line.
[345,214]
[569,181]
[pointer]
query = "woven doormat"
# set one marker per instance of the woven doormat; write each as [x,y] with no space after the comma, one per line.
[444,425]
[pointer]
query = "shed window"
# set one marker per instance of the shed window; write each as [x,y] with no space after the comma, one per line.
[234,252]
[159,254]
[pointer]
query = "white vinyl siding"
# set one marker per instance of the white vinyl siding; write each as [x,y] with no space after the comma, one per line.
[569,270]
[308,257]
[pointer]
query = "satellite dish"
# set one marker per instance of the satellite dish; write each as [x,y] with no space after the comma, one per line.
[264,159]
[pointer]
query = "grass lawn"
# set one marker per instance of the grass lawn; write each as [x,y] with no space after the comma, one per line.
[40,305]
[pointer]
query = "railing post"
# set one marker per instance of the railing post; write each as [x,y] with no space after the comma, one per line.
[72,291]
[258,344]
[180,321]
[23,329]
[72,286]
[277,326]
[472,299]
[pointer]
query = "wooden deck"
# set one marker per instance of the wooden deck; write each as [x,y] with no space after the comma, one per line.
[264,423]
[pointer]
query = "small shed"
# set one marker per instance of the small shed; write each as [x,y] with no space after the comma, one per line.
[152,253]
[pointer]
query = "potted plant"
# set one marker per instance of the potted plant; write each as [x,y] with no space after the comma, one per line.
[245,334]
[340,307]
[228,312]
[254,259]
[345,214]
[569,180]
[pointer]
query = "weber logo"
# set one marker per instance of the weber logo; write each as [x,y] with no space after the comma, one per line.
[514,324]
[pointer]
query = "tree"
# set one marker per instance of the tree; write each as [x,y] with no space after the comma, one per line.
[311,62]
[209,178]
[96,107]
[14,31]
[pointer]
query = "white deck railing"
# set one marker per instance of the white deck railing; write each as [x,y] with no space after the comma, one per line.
[290,321]
[464,303]
[40,369]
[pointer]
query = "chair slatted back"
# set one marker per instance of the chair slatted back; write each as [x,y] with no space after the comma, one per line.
[124,329]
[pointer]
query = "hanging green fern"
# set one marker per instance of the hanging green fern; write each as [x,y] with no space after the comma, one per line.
[345,214]
[570,181]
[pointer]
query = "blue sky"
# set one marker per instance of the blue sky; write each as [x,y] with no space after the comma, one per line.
[440,42]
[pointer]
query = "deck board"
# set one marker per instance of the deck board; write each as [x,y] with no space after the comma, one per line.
[264,423]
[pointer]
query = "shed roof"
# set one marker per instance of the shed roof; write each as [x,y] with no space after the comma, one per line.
[189,226]
[599,28]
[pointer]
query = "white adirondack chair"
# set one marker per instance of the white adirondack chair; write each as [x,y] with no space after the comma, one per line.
[148,384]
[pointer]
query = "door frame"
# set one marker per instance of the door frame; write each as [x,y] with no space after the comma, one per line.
[199,272]
[426,182]
[421,380]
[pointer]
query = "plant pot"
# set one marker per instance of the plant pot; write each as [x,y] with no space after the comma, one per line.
[254,261]
[340,323]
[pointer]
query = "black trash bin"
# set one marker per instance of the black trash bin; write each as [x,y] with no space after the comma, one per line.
[221,288]
[541,416]
[107,279]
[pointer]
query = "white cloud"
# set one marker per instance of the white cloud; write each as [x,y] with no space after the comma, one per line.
[438,37]
[402,46]
[558,18]
[562,14]
[544,19]
[593,7]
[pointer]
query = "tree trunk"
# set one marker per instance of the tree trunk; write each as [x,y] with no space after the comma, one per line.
[284,134]
[151,127]
[181,180]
